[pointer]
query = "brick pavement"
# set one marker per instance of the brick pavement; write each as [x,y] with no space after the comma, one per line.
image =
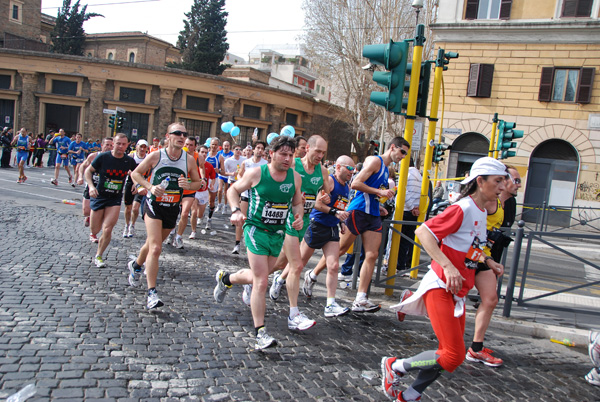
[81,333]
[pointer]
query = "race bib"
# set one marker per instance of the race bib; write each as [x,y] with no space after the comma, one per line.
[113,185]
[474,253]
[169,197]
[341,203]
[311,200]
[275,213]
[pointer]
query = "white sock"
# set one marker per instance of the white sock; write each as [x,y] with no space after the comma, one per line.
[330,301]
[294,311]
[398,366]
[312,275]
[280,280]
[410,394]
[177,236]
[361,296]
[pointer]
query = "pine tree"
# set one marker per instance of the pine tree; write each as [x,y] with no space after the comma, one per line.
[203,41]
[68,36]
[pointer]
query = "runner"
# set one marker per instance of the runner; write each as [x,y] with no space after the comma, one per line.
[323,233]
[169,169]
[76,151]
[133,198]
[300,147]
[107,145]
[201,197]
[61,142]
[225,153]
[155,145]
[105,196]
[218,163]
[274,189]
[454,240]
[23,143]
[255,161]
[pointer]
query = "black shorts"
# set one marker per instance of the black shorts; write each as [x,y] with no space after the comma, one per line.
[244,199]
[127,194]
[318,235]
[359,222]
[188,195]
[99,203]
[168,215]
[138,198]
[481,267]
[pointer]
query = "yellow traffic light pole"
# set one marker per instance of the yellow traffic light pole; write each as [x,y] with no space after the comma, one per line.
[493,137]
[409,126]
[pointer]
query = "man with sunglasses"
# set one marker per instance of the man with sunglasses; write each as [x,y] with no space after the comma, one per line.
[501,213]
[176,169]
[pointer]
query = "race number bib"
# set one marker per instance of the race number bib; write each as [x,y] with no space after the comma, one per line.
[169,197]
[341,203]
[113,186]
[474,253]
[309,203]
[275,213]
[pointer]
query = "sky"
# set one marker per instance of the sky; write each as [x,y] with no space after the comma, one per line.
[250,22]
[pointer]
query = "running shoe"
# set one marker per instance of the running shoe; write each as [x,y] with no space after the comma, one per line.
[220,289]
[99,261]
[217,208]
[54,181]
[335,310]
[390,379]
[345,278]
[70,179]
[593,377]
[178,242]
[169,239]
[236,249]
[73,184]
[93,238]
[365,306]
[485,357]
[300,322]
[246,294]
[208,224]
[406,293]
[23,179]
[153,300]
[308,285]
[192,235]
[594,347]
[134,276]
[19,181]
[223,209]
[275,289]
[125,232]
[264,340]
[130,231]
[86,221]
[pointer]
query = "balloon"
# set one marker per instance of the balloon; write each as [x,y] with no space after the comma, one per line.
[207,143]
[227,126]
[235,131]
[289,131]
[271,137]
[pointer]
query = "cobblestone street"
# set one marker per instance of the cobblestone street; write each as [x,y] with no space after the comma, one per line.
[81,333]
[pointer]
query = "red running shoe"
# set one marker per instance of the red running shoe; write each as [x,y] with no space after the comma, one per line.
[93,238]
[390,380]
[405,295]
[485,357]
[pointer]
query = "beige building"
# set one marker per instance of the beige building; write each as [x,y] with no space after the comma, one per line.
[534,63]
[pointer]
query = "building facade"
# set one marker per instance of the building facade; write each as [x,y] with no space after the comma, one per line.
[534,63]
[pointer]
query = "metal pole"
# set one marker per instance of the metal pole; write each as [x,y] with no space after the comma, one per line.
[493,135]
[543,217]
[514,267]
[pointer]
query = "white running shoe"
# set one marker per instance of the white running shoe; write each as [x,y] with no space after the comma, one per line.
[264,340]
[300,322]
[365,306]
[236,249]
[345,278]
[131,231]
[335,310]
[208,224]
[125,232]
[154,301]
[99,261]
[178,242]
[223,209]
[134,276]
[275,289]
[217,208]
[246,294]
[192,235]
[220,289]
[308,285]
[169,239]
[593,377]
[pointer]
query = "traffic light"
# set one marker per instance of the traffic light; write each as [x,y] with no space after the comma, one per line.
[393,57]
[423,92]
[120,121]
[447,57]
[111,121]
[438,152]
[506,135]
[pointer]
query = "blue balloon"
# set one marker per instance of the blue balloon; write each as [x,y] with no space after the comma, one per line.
[235,131]
[227,126]
[207,143]
[271,137]
[289,131]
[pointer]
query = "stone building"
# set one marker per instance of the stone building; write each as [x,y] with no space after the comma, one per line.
[533,63]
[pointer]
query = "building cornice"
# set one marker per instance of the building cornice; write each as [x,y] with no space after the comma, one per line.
[583,32]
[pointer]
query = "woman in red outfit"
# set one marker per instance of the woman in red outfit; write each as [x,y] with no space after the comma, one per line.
[455,241]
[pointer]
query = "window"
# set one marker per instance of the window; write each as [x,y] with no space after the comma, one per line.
[245,137]
[132,57]
[15,12]
[488,9]
[64,87]
[252,112]
[577,8]
[90,55]
[110,56]
[291,119]
[132,95]
[5,81]
[322,90]
[197,128]
[318,88]
[480,80]
[197,103]
[566,84]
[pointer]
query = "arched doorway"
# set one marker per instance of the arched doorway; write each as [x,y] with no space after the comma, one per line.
[551,178]
[466,149]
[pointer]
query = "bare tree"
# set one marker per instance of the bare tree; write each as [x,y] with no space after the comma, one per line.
[337,31]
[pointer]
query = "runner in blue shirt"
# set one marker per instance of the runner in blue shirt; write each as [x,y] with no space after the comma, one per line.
[223,180]
[23,142]
[77,151]
[62,142]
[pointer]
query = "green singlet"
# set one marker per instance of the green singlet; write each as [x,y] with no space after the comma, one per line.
[311,185]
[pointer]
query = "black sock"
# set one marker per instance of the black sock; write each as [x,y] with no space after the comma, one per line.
[477,346]
[151,290]
[258,329]
[225,279]
[210,212]
[136,267]
[237,242]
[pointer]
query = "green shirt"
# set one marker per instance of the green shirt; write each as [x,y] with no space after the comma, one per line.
[311,185]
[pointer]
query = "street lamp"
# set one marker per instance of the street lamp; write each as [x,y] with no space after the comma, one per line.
[417,5]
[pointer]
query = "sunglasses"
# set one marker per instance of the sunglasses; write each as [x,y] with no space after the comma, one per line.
[516,181]
[177,132]
[350,168]
[403,152]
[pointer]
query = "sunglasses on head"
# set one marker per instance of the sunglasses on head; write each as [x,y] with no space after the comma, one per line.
[178,132]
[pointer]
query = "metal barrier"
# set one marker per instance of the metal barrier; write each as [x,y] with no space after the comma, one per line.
[517,260]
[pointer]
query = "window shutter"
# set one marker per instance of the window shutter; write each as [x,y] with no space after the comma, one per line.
[472,9]
[473,80]
[505,9]
[584,8]
[584,89]
[569,8]
[486,76]
[546,82]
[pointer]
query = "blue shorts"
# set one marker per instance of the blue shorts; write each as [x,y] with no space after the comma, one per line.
[359,222]
[21,156]
[75,162]
[60,160]
[318,235]
[104,202]
[224,178]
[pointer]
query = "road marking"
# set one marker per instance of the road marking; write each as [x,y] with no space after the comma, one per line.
[34,194]
[37,194]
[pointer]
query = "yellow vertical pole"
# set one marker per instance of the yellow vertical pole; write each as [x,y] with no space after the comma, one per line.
[493,136]
[409,127]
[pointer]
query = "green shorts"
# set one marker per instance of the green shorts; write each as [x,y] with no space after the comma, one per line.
[262,242]
[289,230]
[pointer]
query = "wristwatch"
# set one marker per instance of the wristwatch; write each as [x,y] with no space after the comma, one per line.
[333,211]
[235,210]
